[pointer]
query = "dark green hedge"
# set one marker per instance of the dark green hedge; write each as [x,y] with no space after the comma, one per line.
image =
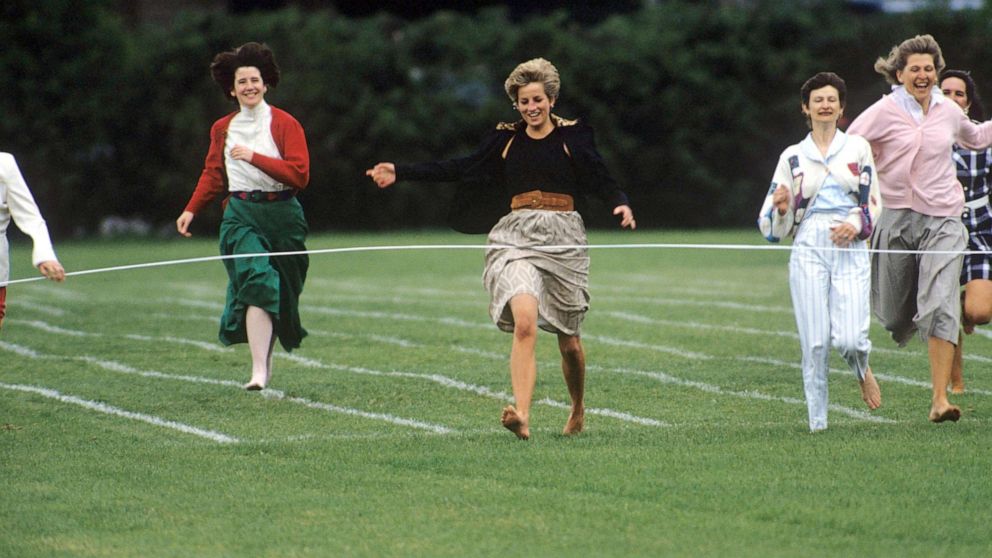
[692,101]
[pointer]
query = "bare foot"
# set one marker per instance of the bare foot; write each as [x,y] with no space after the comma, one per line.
[870,392]
[576,421]
[512,422]
[257,382]
[951,413]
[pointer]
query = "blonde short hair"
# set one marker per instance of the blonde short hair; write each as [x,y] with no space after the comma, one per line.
[896,61]
[531,71]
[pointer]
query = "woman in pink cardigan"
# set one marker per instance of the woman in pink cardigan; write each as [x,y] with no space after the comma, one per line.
[911,132]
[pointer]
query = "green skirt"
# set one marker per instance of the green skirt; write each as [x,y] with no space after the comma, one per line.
[272,283]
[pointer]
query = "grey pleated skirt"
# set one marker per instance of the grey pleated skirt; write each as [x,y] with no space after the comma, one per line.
[557,277]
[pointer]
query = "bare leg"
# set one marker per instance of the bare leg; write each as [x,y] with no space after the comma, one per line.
[976,309]
[573,366]
[258,322]
[957,367]
[268,360]
[941,359]
[523,365]
[870,392]
[977,304]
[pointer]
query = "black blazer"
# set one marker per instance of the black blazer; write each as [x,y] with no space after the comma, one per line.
[482,200]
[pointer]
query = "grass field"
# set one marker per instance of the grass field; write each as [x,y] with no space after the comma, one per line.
[124,432]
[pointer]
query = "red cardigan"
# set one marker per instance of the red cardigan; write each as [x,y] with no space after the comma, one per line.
[293,169]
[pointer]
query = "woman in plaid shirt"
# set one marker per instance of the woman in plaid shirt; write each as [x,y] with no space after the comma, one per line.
[973,168]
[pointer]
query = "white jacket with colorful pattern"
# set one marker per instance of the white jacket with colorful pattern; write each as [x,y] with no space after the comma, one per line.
[803,170]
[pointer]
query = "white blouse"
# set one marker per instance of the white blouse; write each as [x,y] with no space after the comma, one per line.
[17,203]
[252,128]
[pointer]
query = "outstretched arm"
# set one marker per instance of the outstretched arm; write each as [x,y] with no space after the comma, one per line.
[627,216]
[182,223]
[53,270]
[384,174]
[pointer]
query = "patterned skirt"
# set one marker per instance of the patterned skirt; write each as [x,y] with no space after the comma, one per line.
[557,277]
[273,284]
[978,266]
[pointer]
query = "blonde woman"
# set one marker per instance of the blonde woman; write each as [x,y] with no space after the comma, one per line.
[912,131]
[536,167]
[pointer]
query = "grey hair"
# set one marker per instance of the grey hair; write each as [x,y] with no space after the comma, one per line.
[896,61]
[535,70]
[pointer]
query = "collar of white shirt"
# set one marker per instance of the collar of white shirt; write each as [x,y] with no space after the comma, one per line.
[911,105]
[258,111]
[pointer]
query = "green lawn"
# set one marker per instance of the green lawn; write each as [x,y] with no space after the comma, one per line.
[123,430]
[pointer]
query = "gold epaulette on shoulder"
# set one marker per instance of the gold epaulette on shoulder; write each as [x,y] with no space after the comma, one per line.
[559,121]
[511,126]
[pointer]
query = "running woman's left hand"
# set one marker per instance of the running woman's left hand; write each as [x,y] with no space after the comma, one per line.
[627,216]
[843,234]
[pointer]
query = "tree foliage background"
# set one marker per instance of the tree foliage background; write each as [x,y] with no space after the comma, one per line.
[692,101]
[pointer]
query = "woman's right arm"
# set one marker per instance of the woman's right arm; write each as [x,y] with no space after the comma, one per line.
[773,222]
[211,183]
[476,164]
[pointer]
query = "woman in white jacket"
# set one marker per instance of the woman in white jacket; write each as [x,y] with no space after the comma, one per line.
[825,192]
[17,203]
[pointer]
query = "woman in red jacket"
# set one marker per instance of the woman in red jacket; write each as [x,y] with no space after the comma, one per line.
[259,155]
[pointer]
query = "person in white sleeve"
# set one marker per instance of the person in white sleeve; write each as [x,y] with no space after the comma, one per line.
[17,203]
[825,192]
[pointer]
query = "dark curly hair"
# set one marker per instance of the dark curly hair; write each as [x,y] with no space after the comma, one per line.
[977,110]
[254,54]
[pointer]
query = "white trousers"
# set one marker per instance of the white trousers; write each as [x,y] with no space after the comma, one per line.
[830,296]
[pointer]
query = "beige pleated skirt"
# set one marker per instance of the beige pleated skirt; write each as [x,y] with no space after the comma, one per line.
[557,277]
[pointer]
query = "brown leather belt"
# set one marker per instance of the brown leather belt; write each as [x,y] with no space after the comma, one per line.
[549,201]
[263,196]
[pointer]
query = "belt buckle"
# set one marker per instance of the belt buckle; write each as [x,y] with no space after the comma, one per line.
[535,201]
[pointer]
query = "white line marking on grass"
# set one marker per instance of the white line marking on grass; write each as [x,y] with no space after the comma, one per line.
[698,291]
[19,350]
[477,352]
[464,386]
[607,413]
[110,410]
[749,394]
[380,299]
[213,347]
[370,415]
[49,328]
[388,340]
[31,304]
[185,317]
[112,366]
[703,303]
[377,315]
[268,393]
[878,375]
[637,318]
[62,293]
[191,303]
[639,345]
